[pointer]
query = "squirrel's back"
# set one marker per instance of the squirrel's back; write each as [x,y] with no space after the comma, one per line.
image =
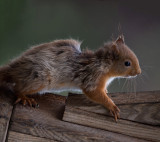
[55,46]
[50,63]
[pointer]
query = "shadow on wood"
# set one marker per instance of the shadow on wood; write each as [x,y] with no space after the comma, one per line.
[6,101]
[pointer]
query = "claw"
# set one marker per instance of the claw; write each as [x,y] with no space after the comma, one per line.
[114,111]
[25,100]
[29,102]
[115,116]
[17,101]
[118,116]
[37,105]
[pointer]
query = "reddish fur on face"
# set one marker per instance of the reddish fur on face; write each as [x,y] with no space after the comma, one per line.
[125,54]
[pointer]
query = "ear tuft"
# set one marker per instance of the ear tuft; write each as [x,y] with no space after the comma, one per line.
[115,49]
[120,39]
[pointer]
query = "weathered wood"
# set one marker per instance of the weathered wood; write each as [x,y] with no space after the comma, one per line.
[46,122]
[106,123]
[147,113]
[138,97]
[130,98]
[19,137]
[6,101]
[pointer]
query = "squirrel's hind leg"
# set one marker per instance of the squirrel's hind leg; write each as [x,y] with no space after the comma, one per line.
[22,97]
[26,100]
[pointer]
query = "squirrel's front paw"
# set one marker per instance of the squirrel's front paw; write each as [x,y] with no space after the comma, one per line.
[114,110]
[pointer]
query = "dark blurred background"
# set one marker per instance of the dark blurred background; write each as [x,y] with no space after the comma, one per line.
[24,23]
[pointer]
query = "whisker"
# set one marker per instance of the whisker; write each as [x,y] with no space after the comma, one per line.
[119,81]
[132,85]
[135,85]
[146,67]
[128,86]
[124,84]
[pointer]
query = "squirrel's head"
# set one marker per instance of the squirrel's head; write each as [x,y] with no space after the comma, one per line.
[126,64]
[124,61]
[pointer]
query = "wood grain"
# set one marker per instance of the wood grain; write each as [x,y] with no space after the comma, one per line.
[130,98]
[106,123]
[138,97]
[147,113]
[19,137]
[6,101]
[46,122]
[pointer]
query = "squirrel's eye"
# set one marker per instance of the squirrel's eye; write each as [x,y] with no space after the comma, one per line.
[127,63]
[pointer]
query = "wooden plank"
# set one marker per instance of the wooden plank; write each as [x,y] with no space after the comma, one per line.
[45,122]
[6,101]
[19,137]
[143,113]
[147,113]
[131,98]
[138,97]
[106,123]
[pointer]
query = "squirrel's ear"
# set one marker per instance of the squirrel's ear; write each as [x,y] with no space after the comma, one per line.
[115,49]
[120,39]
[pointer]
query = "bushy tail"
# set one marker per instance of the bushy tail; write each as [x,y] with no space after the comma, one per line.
[5,77]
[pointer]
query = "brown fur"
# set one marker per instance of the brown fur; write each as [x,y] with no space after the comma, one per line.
[61,64]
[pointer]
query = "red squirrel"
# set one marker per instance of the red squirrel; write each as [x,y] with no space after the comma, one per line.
[61,64]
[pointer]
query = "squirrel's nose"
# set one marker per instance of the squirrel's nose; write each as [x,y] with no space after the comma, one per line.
[139,71]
